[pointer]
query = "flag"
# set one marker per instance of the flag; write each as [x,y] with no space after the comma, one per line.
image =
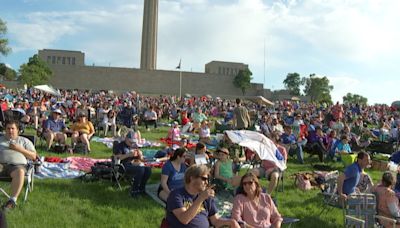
[179,65]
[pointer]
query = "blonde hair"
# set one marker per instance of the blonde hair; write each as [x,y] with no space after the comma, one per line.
[196,171]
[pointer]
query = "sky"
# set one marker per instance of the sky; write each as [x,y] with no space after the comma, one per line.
[354,43]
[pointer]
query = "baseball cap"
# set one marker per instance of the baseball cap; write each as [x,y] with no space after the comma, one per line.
[57,111]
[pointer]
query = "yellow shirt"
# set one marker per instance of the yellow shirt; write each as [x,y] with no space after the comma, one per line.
[86,127]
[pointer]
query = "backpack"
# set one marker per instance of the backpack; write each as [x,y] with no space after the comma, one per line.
[302,182]
[102,170]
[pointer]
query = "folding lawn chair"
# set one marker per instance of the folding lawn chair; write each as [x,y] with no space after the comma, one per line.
[31,167]
[329,192]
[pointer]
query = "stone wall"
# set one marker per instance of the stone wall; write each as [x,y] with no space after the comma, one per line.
[148,82]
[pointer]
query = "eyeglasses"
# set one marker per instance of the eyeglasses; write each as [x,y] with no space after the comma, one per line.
[203,178]
[247,183]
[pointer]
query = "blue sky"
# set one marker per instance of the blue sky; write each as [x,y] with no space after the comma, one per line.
[354,43]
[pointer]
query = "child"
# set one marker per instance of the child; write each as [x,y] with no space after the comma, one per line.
[174,134]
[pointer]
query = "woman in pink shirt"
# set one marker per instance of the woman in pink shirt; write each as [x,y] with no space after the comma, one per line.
[254,208]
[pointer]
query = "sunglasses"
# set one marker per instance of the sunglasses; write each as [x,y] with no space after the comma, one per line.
[203,178]
[247,183]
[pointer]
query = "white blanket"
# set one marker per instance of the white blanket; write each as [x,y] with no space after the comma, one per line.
[260,144]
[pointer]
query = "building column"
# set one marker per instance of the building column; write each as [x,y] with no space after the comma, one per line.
[148,59]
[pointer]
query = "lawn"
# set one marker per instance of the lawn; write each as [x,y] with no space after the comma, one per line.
[73,203]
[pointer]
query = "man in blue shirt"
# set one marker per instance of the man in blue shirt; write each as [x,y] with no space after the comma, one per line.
[54,129]
[194,205]
[348,180]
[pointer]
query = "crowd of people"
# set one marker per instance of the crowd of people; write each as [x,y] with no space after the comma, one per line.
[330,132]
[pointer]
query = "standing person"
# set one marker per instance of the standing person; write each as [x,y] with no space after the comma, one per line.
[14,152]
[348,180]
[193,205]
[172,174]
[241,116]
[252,207]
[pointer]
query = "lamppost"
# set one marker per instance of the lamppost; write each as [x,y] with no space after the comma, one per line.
[180,83]
[180,78]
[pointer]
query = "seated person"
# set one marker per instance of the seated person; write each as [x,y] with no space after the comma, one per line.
[198,117]
[316,144]
[223,171]
[252,207]
[132,159]
[24,118]
[54,129]
[269,169]
[294,145]
[150,117]
[388,203]
[174,133]
[185,122]
[172,174]
[199,156]
[109,118]
[193,205]
[167,152]
[342,147]
[347,181]
[82,130]
[14,152]
[205,133]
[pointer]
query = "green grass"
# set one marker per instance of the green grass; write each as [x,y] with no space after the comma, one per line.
[73,203]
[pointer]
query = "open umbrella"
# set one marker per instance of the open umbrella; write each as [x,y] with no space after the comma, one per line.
[260,144]
[261,100]
[295,99]
[188,95]
[48,89]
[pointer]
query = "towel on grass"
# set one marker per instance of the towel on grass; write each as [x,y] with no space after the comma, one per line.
[57,170]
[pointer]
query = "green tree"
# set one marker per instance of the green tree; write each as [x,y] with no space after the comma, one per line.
[355,99]
[292,83]
[4,49]
[35,72]
[242,80]
[8,73]
[318,89]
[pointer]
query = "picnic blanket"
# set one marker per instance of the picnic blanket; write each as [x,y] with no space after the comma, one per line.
[223,200]
[109,142]
[57,170]
[83,163]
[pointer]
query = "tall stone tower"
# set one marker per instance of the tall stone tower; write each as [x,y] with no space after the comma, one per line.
[148,58]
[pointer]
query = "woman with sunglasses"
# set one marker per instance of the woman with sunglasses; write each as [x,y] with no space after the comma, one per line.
[252,207]
[172,174]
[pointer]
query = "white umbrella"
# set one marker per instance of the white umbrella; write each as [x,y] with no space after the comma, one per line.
[260,144]
[261,100]
[48,89]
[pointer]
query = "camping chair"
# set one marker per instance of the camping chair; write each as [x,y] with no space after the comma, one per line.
[329,192]
[31,168]
[363,207]
[360,206]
